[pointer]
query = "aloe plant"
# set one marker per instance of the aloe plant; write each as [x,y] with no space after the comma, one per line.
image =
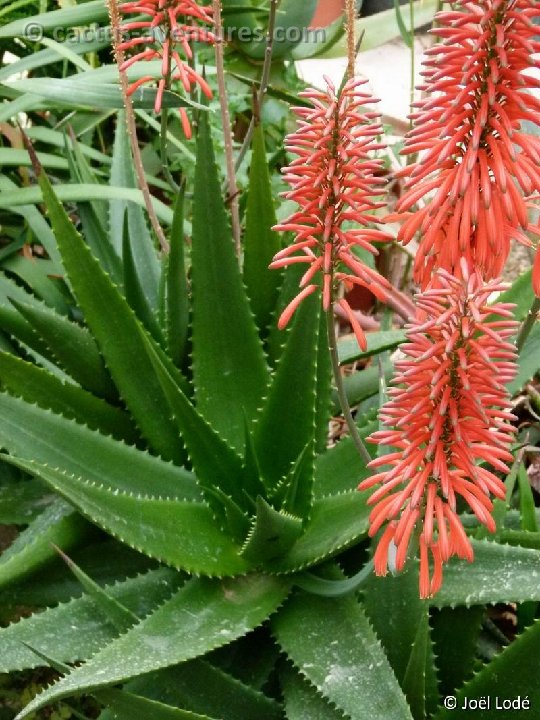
[189,545]
[214,466]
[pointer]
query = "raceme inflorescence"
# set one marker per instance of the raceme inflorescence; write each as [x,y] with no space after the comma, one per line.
[449,411]
[478,162]
[336,182]
[467,196]
[169,28]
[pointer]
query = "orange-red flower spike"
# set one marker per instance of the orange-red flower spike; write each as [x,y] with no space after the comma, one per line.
[336,183]
[449,409]
[477,160]
[170,26]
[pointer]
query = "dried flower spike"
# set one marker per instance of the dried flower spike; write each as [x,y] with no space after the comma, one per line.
[449,411]
[478,162]
[169,29]
[335,181]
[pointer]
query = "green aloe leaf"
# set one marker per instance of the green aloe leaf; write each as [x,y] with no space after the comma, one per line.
[528,361]
[526,501]
[271,535]
[82,172]
[203,688]
[229,369]
[261,243]
[28,431]
[341,469]
[319,40]
[204,614]
[455,638]
[176,532]
[36,385]
[381,27]
[112,609]
[39,275]
[399,618]
[333,645]
[176,289]
[121,338]
[499,573]
[335,523]
[126,706]
[85,630]
[70,346]
[287,422]
[511,675]
[141,246]
[414,681]
[93,214]
[529,524]
[106,561]
[134,292]
[521,294]
[96,237]
[293,494]
[303,702]
[363,384]
[21,500]
[36,222]
[31,549]
[12,321]
[219,469]
[292,18]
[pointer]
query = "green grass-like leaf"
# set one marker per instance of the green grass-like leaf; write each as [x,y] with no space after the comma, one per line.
[89,12]
[377,342]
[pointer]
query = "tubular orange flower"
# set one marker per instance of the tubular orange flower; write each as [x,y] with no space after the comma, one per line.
[335,181]
[167,23]
[477,162]
[449,412]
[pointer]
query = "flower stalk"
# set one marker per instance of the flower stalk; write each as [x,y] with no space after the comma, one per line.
[227,129]
[114,15]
